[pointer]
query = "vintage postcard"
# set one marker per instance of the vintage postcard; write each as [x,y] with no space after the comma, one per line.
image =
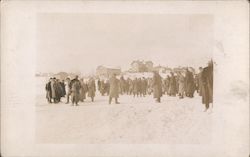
[125,78]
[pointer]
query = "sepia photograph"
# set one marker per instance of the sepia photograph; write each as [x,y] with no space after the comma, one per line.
[125,78]
[111,78]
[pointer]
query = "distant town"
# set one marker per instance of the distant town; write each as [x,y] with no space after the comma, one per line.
[136,66]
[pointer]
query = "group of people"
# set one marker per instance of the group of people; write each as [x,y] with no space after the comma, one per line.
[177,84]
[75,89]
[186,85]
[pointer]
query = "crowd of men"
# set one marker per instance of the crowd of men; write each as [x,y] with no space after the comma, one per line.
[177,84]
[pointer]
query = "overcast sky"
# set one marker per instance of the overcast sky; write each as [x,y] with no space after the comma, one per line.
[81,42]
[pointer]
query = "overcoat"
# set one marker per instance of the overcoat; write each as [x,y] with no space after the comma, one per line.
[75,88]
[83,91]
[207,85]
[91,88]
[181,81]
[157,86]
[189,83]
[114,87]
[53,90]
[48,90]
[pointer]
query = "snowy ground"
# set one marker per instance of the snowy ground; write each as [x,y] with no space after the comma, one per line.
[135,120]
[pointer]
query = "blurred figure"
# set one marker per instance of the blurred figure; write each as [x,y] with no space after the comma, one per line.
[67,89]
[107,87]
[181,80]
[144,86]
[83,91]
[63,88]
[130,84]
[139,86]
[122,85]
[199,82]
[189,84]
[98,84]
[135,87]
[48,91]
[157,86]
[150,86]
[102,88]
[75,91]
[91,88]
[167,81]
[114,89]
[58,90]
[207,85]
[172,85]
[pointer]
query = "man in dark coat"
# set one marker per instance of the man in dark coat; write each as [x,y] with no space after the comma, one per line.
[75,91]
[58,90]
[99,85]
[63,88]
[189,84]
[48,91]
[114,89]
[207,85]
[157,86]
[122,85]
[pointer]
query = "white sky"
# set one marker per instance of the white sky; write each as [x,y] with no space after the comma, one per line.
[81,42]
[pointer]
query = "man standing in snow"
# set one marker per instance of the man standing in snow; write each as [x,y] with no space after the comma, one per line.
[114,89]
[75,88]
[157,86]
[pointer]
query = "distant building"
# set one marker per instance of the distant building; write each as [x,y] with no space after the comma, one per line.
[105,71]
[141,66]
[135,66]
[149,65]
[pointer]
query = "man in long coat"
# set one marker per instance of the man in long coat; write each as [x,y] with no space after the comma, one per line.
[157,86]
[58,90]
[189,84]
[48,91]
[172,85]
[122,85]
[75,91]
[114,89]
[91,88]
[207,85]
